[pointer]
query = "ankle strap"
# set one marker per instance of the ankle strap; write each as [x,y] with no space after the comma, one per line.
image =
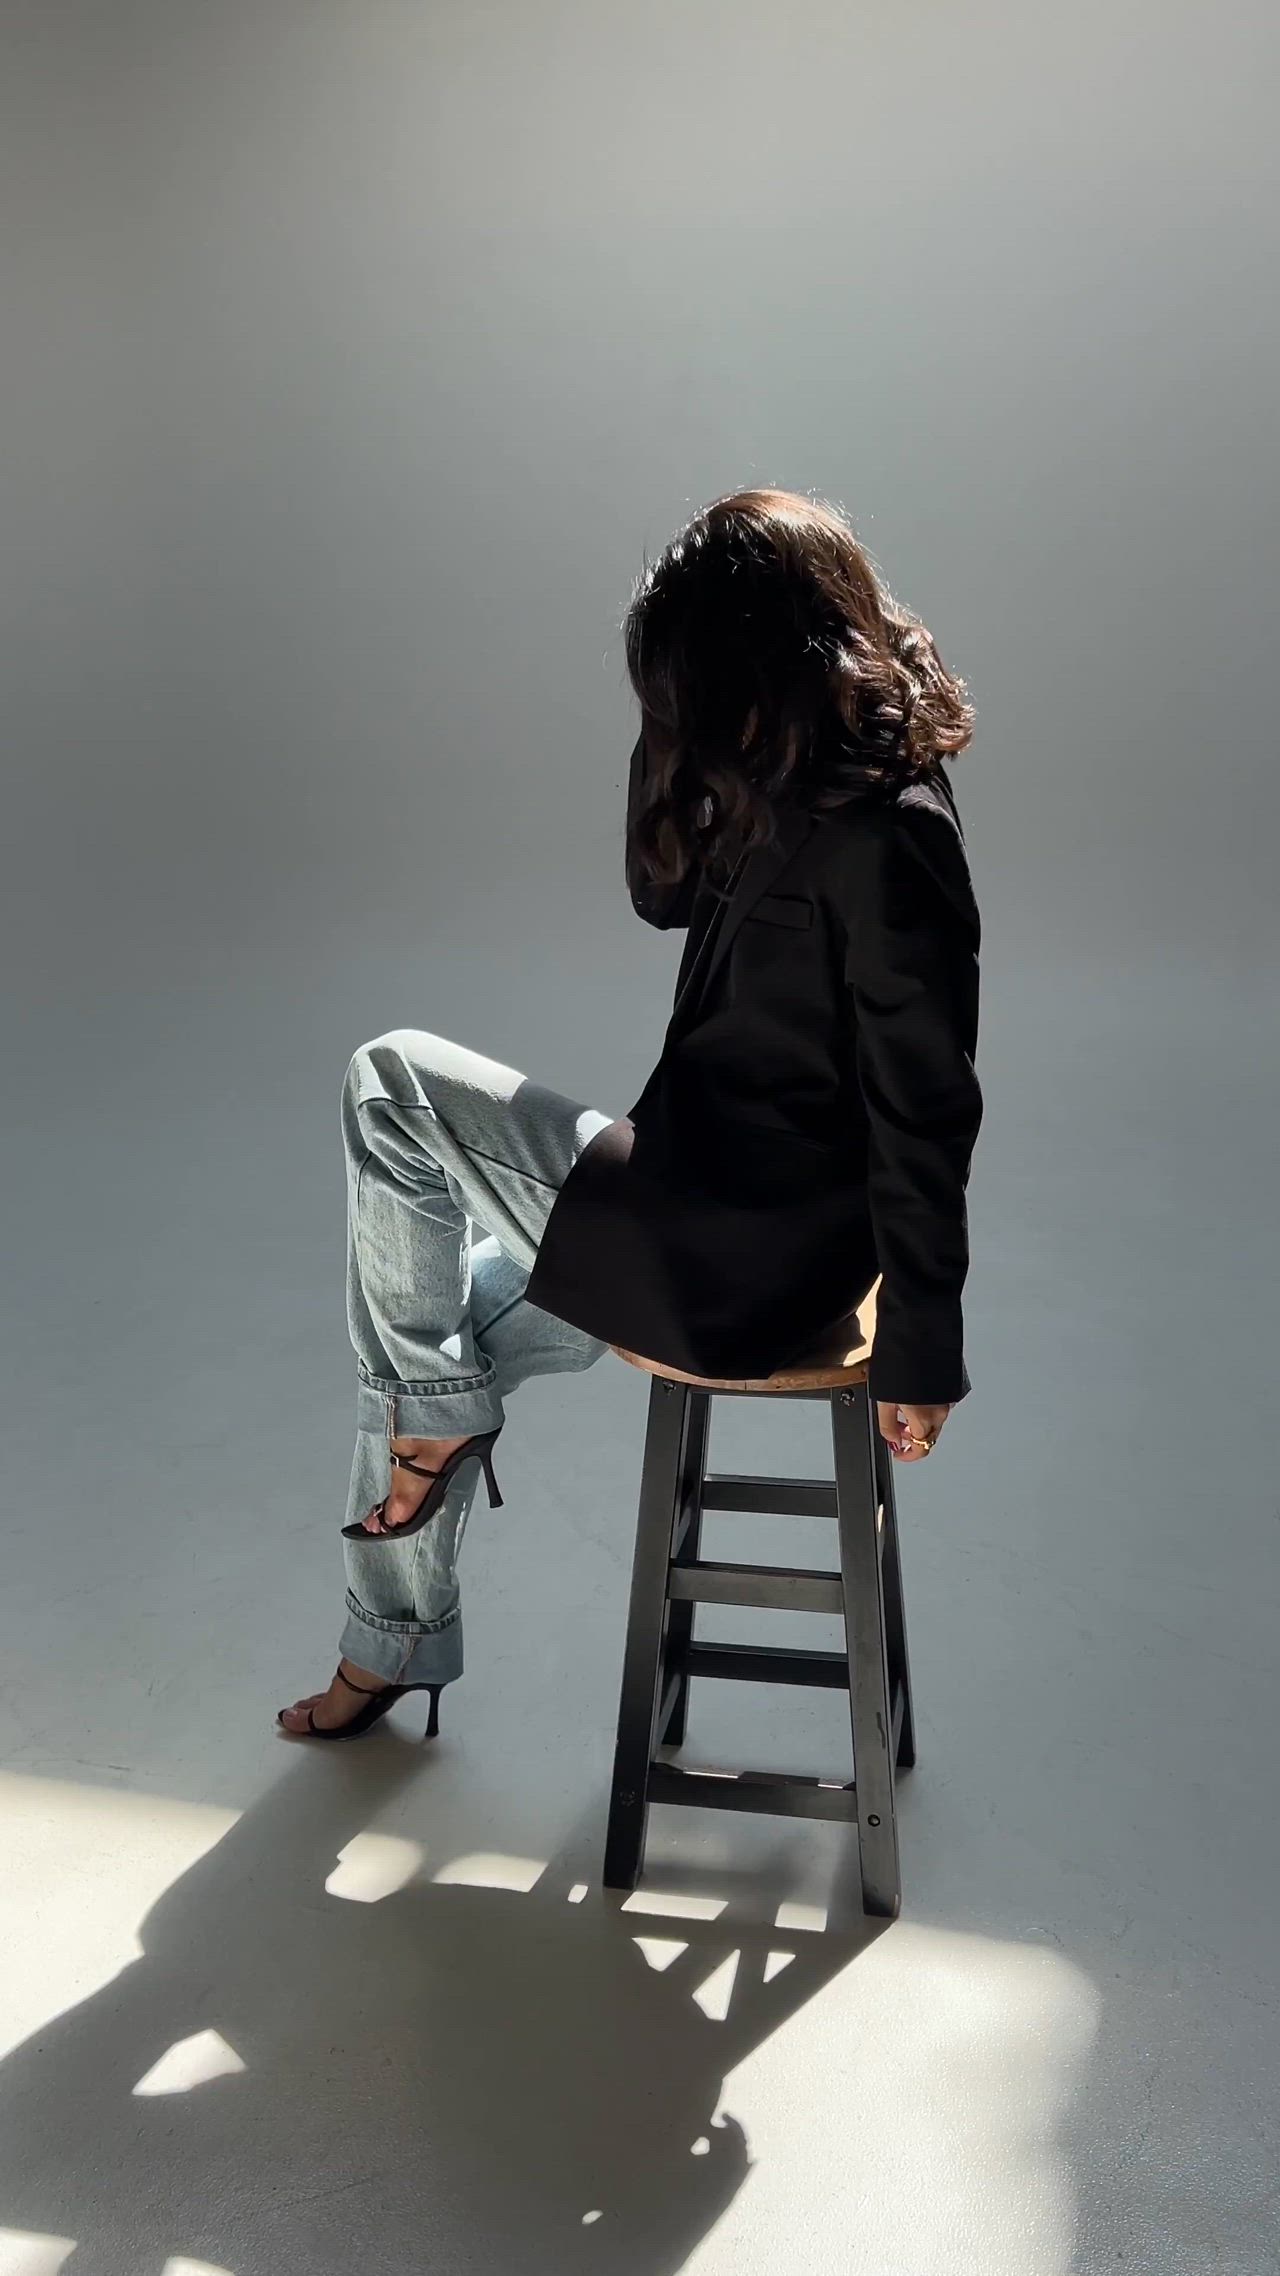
[402,1462]
[361,1688]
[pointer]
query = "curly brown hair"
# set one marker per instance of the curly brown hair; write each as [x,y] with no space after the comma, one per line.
[773,668]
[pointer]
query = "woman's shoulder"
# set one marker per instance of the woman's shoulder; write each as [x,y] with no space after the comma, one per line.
[918,809]
[901,830]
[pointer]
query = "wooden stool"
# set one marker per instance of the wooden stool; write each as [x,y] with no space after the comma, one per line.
[670,1579]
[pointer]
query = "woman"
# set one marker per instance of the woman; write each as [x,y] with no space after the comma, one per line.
[810,1122]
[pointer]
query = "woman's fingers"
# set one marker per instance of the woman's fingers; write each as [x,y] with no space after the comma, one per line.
[910,1431]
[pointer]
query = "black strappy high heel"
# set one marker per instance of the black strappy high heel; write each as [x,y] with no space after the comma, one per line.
[378,1703]
[477,1449]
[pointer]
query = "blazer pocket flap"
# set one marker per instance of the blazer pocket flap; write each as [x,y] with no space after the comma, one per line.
[782,909]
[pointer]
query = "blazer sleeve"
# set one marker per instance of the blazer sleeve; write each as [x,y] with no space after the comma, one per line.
[663,905]
[912,976]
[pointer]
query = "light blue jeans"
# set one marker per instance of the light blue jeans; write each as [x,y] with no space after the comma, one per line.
[453,1163]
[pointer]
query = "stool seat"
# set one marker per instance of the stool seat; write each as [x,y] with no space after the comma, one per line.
[840,1361]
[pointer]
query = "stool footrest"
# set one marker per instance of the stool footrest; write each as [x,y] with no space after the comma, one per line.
[767,1588]
[771,1792]
[771,1497]
[765,1663]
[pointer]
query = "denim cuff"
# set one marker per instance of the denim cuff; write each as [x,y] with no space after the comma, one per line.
[454,1407]
[402,1651]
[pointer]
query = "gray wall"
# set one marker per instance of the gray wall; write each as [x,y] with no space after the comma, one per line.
[355,353]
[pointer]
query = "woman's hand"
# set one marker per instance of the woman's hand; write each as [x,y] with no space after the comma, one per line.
[912,1432]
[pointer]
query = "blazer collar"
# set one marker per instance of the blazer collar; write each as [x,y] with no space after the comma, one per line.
[760,873]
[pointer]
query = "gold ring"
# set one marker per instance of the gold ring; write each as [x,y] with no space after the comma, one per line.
[926,1443]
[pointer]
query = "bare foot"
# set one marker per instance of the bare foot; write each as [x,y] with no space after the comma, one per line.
[334,1707]
[408,1491]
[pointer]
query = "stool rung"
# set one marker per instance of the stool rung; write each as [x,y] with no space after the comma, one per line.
[771,1497]
[772,1792]
[765,1588]
[765,1663]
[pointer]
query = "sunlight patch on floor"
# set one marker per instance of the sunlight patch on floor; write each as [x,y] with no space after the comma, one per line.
[22,2254]
[660,1951]
[673,1905]
[802,1918]
[715,1994]
[191,2062]
[99,1858]
[375,1865]
[929,2084]
[490,1869]
[922,2086]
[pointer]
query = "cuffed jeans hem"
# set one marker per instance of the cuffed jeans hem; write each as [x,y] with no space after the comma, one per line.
[402,1651]
[448,1409]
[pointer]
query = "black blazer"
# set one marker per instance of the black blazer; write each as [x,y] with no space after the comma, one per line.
[810,1122]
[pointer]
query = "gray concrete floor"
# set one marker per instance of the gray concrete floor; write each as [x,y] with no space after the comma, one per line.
[284,2013]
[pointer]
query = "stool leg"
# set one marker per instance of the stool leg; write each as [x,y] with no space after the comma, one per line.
[871,1714]
[894,1617]
[642,1661]
[693,1470]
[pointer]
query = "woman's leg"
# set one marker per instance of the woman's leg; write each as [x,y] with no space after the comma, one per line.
[403,1599]
[439,1140]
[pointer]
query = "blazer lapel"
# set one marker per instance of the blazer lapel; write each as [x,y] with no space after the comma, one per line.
[759,875]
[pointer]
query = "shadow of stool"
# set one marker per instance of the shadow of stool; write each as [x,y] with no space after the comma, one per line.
[671,1578]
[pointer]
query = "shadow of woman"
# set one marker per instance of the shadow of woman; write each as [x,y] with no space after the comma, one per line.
[460,2076]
